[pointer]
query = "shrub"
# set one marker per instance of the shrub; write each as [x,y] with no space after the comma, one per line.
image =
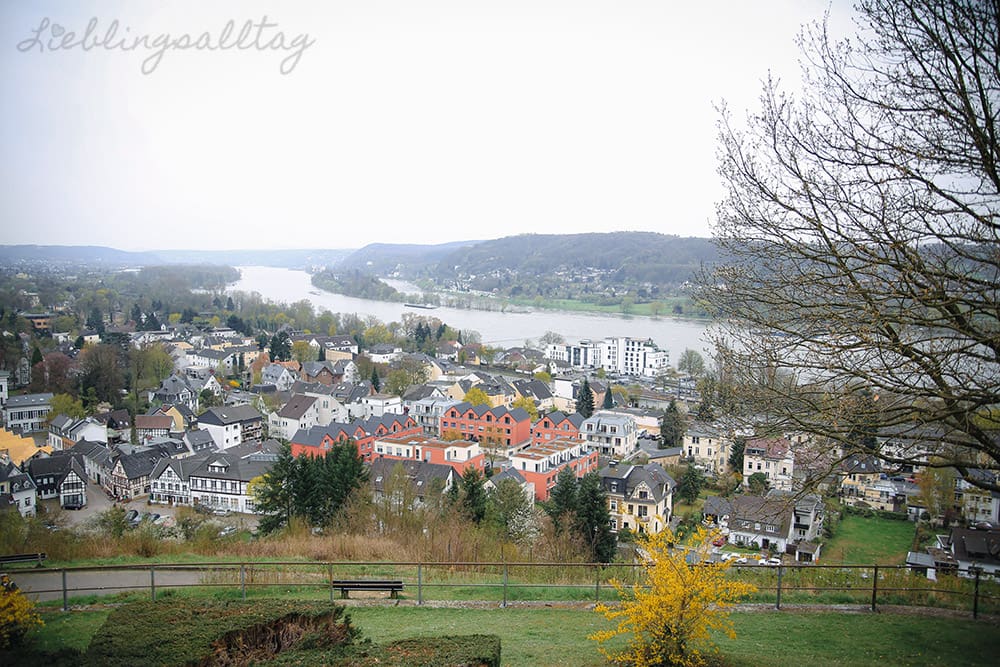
[17,616]
[669,615]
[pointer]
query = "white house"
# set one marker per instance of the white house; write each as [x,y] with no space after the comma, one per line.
[610,434]
[378,405]
[17,488]
[222,479]
[26,413]
[300,412]
[232,426]
[279,376]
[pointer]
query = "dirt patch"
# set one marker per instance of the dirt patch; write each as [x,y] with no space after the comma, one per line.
[241,648]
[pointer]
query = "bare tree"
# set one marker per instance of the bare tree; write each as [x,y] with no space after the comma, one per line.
[862,238]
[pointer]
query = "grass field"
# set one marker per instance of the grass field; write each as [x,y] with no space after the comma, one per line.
[864,540]
[558,636]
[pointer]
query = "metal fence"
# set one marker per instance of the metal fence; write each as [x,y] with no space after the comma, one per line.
[509,582]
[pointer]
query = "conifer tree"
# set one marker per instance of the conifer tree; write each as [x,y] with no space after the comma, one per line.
[585,400]
[609,399]
[671,427]
[562,499]
[592,522]
[376,383]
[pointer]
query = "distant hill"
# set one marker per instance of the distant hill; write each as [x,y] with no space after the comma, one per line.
[409,260]
[623,256]
[290,259]
[284,259]
[13,254]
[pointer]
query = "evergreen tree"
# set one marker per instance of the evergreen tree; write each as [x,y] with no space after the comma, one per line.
[281,347]
[229,304]
[95,320]
[592,522]
[736,454]
[671,427]
[609,399]
[376,383]
[152,323]
[137,315]
[322,353]
[690,484]
[562,499]
[274,493]
[36,356]
[585,400]
[473,495]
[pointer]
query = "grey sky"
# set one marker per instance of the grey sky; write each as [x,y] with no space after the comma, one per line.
[404,121]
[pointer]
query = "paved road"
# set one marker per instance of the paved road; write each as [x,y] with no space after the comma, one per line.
[46,585]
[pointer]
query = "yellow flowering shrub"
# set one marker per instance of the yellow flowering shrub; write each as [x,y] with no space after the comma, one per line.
[17,616]
[670,613]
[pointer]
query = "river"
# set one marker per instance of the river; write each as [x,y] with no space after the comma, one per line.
[497,329]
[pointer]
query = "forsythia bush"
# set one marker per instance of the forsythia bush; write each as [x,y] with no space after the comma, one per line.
[17,616]
[670,613]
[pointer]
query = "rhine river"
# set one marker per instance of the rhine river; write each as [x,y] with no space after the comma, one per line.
[497,329]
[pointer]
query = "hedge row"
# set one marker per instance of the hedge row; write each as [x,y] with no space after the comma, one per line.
[265,632]
[871,513]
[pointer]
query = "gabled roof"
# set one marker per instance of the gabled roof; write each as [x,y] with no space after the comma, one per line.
[297,406]
[241,463]
[199,440]
[97,452]
[978,545]
[420,473]
[558,417]
[229,415]
[57,466]
[652,475]
[153,422]
[533,388]
[775,511]
[61,422]
[717,506]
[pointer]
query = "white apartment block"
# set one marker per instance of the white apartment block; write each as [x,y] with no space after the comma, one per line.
[624,355]
[610,434]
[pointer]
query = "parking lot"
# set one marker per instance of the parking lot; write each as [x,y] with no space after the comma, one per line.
[98,502]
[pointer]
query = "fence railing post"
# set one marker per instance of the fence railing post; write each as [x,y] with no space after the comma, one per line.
[420,583]
[505,584]
[329,578]
[875,588]
[152,583]
[65,592]
[777,600]
[597,584]
[243,580]
[975,596]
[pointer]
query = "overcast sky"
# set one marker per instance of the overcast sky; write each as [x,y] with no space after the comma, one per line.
[394,120]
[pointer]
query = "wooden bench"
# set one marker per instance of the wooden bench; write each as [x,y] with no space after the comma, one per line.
[23,558]
[394,586]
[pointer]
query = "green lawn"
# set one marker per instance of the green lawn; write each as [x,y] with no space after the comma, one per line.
[864,541]
[558,636]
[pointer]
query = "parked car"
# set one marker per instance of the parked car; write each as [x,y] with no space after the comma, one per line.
[228,530]
[719,541]
[131,515]
[773,560]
